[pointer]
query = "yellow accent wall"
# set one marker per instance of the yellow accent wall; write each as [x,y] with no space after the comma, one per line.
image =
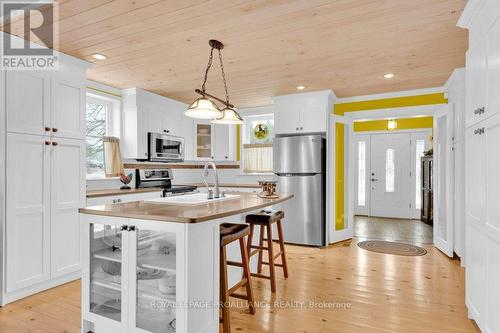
[238,142]
[388,103]
[403,124]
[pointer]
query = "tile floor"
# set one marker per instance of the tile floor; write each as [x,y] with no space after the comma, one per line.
[406,231]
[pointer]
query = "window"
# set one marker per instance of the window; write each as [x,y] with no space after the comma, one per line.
[361,173]
[98,124]
[258,144]
[389,170]
[420,147]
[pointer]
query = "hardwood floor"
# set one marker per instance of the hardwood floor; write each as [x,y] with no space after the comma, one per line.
[371,292]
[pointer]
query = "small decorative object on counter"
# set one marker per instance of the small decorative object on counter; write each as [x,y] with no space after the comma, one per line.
[268,189]
[126,179]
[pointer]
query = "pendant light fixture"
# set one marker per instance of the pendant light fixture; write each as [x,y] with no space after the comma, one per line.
[205,107]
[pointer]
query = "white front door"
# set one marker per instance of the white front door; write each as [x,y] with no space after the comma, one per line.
[362,174]
[390,175]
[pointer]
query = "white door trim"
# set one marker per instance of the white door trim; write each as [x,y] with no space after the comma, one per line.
[445,245]
[333,235]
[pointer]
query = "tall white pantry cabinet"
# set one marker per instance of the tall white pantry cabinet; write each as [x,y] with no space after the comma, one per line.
[42,176]
[482,163]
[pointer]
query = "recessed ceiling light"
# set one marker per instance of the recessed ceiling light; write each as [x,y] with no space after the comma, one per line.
[389,75]
[99,56]
[301,87]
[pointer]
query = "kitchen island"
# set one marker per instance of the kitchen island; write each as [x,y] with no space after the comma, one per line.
[153,266]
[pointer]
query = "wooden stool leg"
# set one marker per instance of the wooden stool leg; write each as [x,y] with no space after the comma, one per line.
[246,272]
[271,257]
[250,242]
[261,244]
[224,296]
[282,248]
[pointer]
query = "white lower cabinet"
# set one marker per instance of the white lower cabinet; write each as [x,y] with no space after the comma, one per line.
[134,275]
[67,194]
[483,223]
[45,188]
[28,211]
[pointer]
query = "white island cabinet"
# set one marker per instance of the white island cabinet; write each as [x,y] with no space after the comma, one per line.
[154,267]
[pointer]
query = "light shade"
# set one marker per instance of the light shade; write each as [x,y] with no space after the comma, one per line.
[203,108]
[392,124]
[229,117]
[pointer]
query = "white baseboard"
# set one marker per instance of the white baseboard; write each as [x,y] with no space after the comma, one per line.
[25,292]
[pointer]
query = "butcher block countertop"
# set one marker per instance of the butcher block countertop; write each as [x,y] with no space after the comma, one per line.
[117,191]
[234,185]
[246,202]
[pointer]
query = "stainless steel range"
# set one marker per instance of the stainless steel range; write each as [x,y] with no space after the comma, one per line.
[161,178]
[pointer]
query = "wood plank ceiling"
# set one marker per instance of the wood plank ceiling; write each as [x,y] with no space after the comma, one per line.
[272,46]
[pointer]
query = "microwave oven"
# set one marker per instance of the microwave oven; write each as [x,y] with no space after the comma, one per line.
[165,148]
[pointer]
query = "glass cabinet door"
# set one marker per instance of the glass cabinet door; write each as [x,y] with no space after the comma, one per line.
[204,141]
[106,271]
[155,281]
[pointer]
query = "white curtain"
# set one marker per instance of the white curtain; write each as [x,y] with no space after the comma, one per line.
[257,158]
[113,164]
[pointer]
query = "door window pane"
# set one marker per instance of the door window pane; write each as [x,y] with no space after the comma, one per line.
[361,173]
[420,147]
[389,170]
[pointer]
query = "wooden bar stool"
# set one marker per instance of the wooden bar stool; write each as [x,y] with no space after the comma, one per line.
[265,220]
[229,233]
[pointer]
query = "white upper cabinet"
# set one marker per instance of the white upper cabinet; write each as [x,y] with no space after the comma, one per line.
[493,73]
[28,102]
[68,108]
[225,142]
[302,113]
[145,112]
[476,83]
[43,102]
[287,121]
[67,195]
[215,142]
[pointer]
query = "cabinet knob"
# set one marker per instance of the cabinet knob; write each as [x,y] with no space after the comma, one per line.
[301,128]
[296,128]
[131,228]
[47,143]
[225,157]
[123,228]
[55,143]
[48,129]
[54,130]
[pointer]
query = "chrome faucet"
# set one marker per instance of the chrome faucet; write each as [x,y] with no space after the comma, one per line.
[215,193]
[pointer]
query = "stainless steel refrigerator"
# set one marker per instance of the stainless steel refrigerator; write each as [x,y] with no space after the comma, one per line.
[299,162]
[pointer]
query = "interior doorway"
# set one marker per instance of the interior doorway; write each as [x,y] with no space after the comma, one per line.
[388,178]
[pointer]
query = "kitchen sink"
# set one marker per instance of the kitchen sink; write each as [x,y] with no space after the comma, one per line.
[190,199]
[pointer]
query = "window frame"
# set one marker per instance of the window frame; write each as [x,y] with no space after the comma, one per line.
[113,122]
